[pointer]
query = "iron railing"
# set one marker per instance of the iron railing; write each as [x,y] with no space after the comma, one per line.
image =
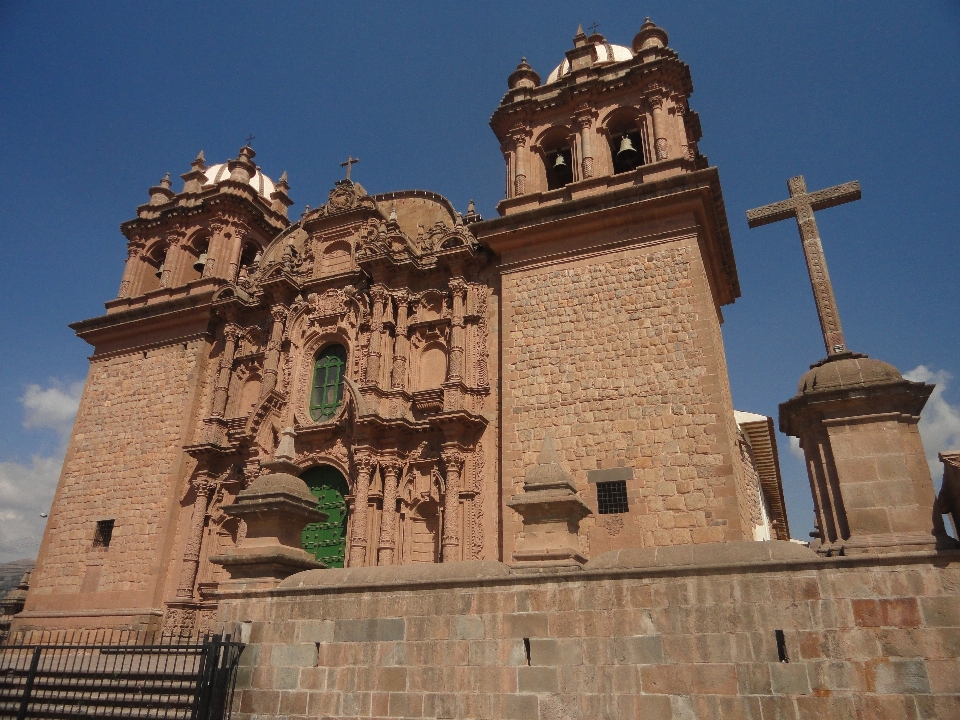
[88,676]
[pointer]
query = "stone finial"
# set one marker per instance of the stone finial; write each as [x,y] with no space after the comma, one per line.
[161,193]
[523,77]
[551,512]
[649,37]
[393,214]
[280,200]
[243,168]
[276,507]
[194,179]
[580,39]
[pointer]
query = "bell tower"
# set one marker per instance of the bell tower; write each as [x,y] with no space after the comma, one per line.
[607,116]
[615,260]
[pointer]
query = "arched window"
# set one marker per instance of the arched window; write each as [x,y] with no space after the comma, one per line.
[327,392]
[327,541]
[626,142]
[557,158]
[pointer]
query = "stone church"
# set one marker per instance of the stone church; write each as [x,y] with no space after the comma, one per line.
[431,465]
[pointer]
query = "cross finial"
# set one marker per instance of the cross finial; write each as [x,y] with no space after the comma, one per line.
[250,139]
[593,28]
[801,206]
[348,163]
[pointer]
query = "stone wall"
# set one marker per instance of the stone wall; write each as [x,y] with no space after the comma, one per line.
[620,357]
[134,417]
[679,632]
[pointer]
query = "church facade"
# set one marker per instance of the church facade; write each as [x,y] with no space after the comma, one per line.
[421,356]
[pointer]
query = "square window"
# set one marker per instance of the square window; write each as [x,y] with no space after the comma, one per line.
[612,497]
[101,538]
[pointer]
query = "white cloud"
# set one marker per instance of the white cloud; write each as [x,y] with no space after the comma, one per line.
[54,407]
[26,489]
[940,420]
[795,448]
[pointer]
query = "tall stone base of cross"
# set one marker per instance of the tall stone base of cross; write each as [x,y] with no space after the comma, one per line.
[856,419]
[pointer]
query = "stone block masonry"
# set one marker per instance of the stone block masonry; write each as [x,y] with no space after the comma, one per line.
[620,357]
[123,463]
[625,638]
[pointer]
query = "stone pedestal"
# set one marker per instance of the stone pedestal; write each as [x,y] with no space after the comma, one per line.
[856,419]
[275,508]
[551,512]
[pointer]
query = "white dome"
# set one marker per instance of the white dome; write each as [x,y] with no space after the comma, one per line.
[259,182]
[606,53]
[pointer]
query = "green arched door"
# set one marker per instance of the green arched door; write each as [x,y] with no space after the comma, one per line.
[327,540]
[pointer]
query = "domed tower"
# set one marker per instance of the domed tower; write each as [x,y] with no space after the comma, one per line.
[607,116]
[615,260]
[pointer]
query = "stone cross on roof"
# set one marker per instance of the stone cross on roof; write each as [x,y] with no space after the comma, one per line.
[802,205]
[348,163]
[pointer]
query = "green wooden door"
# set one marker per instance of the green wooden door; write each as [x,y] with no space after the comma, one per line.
[327,540]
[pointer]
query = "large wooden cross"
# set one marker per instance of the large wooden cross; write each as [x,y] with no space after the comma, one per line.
[802,205]
[349,163]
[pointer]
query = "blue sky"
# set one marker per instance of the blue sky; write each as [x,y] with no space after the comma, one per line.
[99,100]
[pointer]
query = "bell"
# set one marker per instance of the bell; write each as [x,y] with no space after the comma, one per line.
[160,270]
[201,263]
[560,163]
[627,155]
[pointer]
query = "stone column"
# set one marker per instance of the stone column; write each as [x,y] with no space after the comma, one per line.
[453,459]
[519,137]
[388,521]
[231,333]
[584,120]
[458,289]
[398,374]
[216,247]
[131,270]
[204,485]
[358,541]
[271,362]
[171,260]
[380,298]
[233,253]
[659,127]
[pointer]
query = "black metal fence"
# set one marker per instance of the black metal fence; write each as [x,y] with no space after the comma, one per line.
[111,674]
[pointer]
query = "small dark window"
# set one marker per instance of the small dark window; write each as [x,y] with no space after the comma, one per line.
[612,497]
[781,646]
[327,392]
[101,538]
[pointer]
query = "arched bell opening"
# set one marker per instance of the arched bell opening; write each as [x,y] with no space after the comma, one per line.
[557,158]
[327,540]
[196,260]
[155,266]
[625,141]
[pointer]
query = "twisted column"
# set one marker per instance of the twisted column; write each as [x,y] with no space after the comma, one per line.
[519,138]
[453,459]
[271,361]
[358,542]
[388,520]
[231,333]
[204,486]
[133,264]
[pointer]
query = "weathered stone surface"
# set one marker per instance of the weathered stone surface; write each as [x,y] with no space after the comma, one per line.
[864,638]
